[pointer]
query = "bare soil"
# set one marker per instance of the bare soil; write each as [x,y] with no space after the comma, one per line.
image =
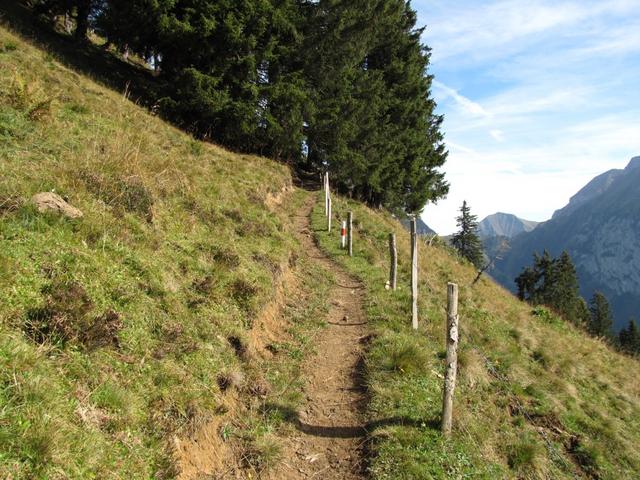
[329,436]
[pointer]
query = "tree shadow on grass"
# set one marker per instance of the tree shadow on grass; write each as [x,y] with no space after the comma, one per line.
[87,58]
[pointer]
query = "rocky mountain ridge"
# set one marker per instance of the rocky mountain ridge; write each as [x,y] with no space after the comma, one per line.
[504,225]
[599,228]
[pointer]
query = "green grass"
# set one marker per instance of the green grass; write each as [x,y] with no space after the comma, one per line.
[142,324]
[114,328]
[536,398]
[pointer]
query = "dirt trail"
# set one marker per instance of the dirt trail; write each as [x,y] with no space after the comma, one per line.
[329,438]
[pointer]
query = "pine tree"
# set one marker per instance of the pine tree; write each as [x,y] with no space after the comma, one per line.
[553,282]
[466,240]
[629,338]
[373,124]
[601,319]
[563,291]
[327,84]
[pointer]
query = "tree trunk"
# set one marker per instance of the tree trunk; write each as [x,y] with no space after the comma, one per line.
[82,20]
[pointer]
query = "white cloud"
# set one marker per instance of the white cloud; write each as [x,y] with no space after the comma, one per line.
[497,135]
[466,105]
[538,98]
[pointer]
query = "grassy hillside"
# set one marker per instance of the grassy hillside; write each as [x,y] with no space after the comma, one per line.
[536,398]
[121,331]
[134,341]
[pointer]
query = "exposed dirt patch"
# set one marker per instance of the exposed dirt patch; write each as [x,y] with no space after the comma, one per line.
[328,442]
[329,432]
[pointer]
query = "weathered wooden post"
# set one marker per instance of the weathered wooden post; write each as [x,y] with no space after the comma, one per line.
[393,256]
[451,367]
[350,233]
[329,216]
[414,274]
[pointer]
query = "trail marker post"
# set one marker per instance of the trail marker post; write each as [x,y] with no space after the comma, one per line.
[343,235]
[327,194]
[329,216]
[350,233]
[414,274]
[393,255]
[451,367]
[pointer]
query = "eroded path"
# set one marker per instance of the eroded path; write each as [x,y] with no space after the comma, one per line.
[328,442]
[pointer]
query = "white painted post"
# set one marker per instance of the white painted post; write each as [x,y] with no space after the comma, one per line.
[329,216]
[327,194]
[350,233]
[451,366]
[343,235]
[414,274]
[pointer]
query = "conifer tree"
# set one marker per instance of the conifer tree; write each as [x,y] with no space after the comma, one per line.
[553,282]
[466,240]
[629,338]
[601,319]
[325,84]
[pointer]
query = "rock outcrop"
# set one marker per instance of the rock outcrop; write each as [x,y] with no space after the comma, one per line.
[600,228]
[52,202]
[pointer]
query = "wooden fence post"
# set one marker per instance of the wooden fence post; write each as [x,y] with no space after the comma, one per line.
[393,255]
[329,216]
[451,367]
[414,274]
[350,233]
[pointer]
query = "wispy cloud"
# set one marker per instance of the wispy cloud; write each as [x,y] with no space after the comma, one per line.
[537,97]
[468,106]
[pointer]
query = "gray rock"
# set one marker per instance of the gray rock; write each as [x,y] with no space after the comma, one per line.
[52,202]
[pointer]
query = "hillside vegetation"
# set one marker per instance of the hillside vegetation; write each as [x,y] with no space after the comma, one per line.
[128,337]
[117,329]
[536,397]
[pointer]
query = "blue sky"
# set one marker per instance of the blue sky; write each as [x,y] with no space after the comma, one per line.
[538,98]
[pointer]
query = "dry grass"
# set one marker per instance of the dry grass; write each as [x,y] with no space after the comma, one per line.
[112,327]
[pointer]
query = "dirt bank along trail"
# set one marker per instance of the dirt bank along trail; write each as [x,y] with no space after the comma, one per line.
[328,442]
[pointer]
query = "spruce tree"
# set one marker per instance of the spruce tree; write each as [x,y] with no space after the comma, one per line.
[466,240]
[629,338]
[563,291]
[553,282]
[373,124]
[601,319]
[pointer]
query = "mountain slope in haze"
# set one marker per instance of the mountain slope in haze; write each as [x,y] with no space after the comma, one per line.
[599,228]
[504,225]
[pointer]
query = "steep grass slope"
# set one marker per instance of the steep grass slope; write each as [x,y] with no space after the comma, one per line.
[120,331]
[536,398]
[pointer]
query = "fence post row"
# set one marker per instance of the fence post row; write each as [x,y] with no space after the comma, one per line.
[451,367]
[414,274]
[350,233]
[393,271]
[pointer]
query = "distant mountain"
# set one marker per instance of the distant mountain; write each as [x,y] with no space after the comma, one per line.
[423,228]
[504,225]
[600,228]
